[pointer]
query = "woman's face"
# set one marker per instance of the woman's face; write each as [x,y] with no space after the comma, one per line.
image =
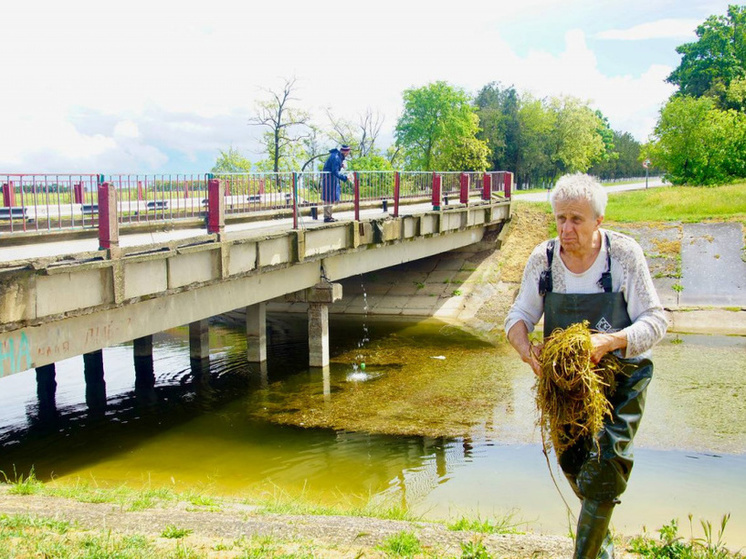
[576,224]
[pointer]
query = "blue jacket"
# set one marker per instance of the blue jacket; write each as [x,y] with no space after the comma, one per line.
[331,190]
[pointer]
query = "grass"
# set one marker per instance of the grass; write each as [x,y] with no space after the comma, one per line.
[670,545]
[402,544]
[503,525]
[680,203]
[687,204]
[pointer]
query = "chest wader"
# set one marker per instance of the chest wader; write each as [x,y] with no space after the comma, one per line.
[598,475]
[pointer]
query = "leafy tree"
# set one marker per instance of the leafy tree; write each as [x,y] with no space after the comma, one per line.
[436,118]
[575,143]
[231,161]
[699,144]
[710,65]
[625,162]
[533,143]
[498,111]
[286,126]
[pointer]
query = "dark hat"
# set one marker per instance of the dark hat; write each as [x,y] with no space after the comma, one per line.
[344,147]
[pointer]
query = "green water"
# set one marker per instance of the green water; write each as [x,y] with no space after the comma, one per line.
[437,421]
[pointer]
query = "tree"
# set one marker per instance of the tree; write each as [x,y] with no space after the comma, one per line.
[626,161]
[231,161]
[435,117]
[699,144]
[574,143]
[286,124]
[711,64]
[536,123]
[498,110]
[361,136]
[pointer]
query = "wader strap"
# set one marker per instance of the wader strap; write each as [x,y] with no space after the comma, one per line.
[546,283]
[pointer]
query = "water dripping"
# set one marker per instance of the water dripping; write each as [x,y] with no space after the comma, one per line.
[359,373]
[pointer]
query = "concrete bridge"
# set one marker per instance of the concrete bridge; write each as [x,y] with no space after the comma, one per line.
[60,298]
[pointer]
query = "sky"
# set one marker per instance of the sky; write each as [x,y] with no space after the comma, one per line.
[161,86]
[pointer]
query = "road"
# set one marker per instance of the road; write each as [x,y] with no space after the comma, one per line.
[544,196]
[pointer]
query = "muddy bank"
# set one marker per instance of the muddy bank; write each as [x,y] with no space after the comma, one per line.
[214,532]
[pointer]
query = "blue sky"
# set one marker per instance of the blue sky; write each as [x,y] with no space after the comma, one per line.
[162,86]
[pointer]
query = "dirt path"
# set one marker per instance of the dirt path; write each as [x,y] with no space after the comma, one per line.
[215,533]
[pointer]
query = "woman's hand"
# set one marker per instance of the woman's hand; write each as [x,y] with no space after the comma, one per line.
[605,343]
[533,357]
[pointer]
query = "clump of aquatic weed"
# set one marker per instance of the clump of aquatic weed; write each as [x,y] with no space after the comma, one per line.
[572,393]
[672,546]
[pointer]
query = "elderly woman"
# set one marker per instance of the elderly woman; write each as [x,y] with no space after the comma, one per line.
[590,273]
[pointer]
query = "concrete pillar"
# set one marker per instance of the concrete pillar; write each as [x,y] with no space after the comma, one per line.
[256,333]
[46,390]
[199,340]
[95,385]
[144,372]
[318,334]
[325,374]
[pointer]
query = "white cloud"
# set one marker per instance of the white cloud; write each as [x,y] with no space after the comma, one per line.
[682,29]
[132,87]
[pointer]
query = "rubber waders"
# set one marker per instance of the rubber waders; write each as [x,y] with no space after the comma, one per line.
[592,539]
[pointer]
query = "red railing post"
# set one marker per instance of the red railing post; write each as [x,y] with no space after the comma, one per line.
[295,200]
[397,191]
[140,196]
[215,206]
[79,193]
[108,224]
[487,187]
[464,183]
[508,183]
[356,187]
[436,191]
[9,194]
[186,188]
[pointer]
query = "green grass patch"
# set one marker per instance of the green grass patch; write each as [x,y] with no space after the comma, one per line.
[670,545]
[503,525]
[174,532]
[403,544]
[672,203]
[679,203]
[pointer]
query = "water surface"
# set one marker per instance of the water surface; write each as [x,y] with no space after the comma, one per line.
[243,431]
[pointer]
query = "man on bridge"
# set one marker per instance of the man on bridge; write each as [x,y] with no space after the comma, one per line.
[331,191]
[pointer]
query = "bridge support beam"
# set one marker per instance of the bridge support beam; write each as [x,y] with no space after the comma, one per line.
[144,372]
[319,298]
[95,385]
[256,333]
[199,341]
[46,390]
[318,334]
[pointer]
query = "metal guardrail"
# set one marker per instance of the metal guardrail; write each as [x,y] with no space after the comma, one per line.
[47,202]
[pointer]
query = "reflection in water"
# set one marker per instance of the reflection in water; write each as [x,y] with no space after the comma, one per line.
[218,424]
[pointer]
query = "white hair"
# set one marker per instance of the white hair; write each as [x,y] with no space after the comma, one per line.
[580,187]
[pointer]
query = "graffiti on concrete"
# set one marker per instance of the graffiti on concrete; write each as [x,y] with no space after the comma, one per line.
[15,354]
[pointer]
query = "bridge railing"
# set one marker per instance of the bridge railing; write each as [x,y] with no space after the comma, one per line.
[39,203]
[161,197]
[44,202]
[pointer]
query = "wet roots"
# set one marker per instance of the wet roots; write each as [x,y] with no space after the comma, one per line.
[572,393]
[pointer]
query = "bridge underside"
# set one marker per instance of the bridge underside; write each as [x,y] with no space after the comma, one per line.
[55,310]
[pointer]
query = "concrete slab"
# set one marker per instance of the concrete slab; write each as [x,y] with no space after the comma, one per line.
[713,272]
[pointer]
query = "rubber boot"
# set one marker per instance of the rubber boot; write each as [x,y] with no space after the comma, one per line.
[593,530]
